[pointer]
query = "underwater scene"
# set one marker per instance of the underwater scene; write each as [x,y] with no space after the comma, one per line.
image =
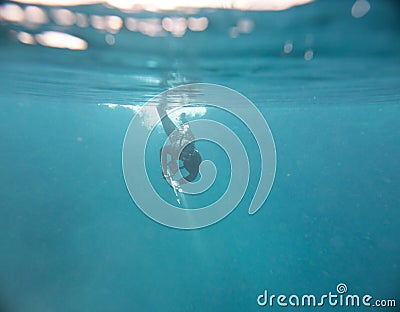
[199,156]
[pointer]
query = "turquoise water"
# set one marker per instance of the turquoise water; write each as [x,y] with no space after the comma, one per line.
[71,237]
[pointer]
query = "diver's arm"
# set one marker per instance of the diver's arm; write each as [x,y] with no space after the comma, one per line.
[166,122]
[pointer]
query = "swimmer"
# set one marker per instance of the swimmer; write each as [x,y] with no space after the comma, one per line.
[182,138]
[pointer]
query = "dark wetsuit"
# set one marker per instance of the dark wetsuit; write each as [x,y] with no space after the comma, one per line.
[189,156]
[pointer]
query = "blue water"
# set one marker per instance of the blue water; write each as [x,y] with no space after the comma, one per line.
[71,237]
